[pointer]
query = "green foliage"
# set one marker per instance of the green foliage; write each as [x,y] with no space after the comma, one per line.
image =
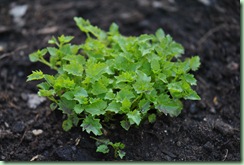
[110,74]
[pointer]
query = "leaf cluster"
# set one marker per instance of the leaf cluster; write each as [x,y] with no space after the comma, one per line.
[135,77]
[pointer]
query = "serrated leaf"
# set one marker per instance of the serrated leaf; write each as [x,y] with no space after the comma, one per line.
[114,107]
[46,93]
[36,75]
[134,117]
[126,104]
[124,93]
[98,88]
[142,83]
[96,108]
[74,68]
[109,95]
[125,124]
[192,95]
[67,125]
[121,154]
[80,95]
[189,78]
[44,85]
[103,149]
[144,106]
[90,124]
[69,95]
[65,39]
[78,109]
[194,63]
[168,106]
[125,77]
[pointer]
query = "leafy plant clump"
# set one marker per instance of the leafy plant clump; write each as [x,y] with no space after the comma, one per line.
[110,76]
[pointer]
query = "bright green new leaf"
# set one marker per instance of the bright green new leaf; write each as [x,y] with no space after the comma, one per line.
[96,108]
[152,118]
[36,75]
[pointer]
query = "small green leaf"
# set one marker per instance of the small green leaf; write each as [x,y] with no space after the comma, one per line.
[125,124]
[46,93]
[152,118]
[124,93]
[78,109]
[103,149]
[160,34]
[36,75]
[65,39]
[121,154]
[194,63]
[90,124]
[134,117]
[114,107]
[67,125]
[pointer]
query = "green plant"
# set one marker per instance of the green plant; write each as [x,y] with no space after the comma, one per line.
[111,75]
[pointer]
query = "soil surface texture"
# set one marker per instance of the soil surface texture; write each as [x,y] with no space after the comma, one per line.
[206,130]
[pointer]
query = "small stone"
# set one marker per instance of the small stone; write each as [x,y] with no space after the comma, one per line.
[193,108]
[34,100]
[18,127]
[178,143]
[208,146]
[37,132]
[223,127]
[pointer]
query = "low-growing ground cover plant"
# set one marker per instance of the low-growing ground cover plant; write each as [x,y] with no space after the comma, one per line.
[111,76]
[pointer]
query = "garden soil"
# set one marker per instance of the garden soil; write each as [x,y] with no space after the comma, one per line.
[206,130]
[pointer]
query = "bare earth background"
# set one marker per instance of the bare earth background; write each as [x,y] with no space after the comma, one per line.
[207,130]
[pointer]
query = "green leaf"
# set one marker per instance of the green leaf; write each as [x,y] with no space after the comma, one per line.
[113,29]
[114,107]
[46,93]
[80,94]
[126,104]
[125,124]
[152,118]
[109,95]
[36,75]
[160,34]
[78,109]
[74,68]
[36,56]
[103,149]
[189,78]
[134,117]
[142,83]
[124,93]
[65,39]
[194,63]
[168,106]
[155,65]
[96,108]
[98,88]
[121,154]
[90,124]
[53,41]
[144,106]
[125,77]
[67,125]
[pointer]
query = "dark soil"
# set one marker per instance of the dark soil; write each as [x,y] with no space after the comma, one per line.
[206,130]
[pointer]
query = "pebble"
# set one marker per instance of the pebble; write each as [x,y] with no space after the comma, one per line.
[193,108]
[208,146]
[37,132]
[67,153]
[223,127]
[18,127]
[34,100]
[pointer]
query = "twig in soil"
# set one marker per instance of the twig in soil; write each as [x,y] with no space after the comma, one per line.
[213,30]
[226,154]
[9,54]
